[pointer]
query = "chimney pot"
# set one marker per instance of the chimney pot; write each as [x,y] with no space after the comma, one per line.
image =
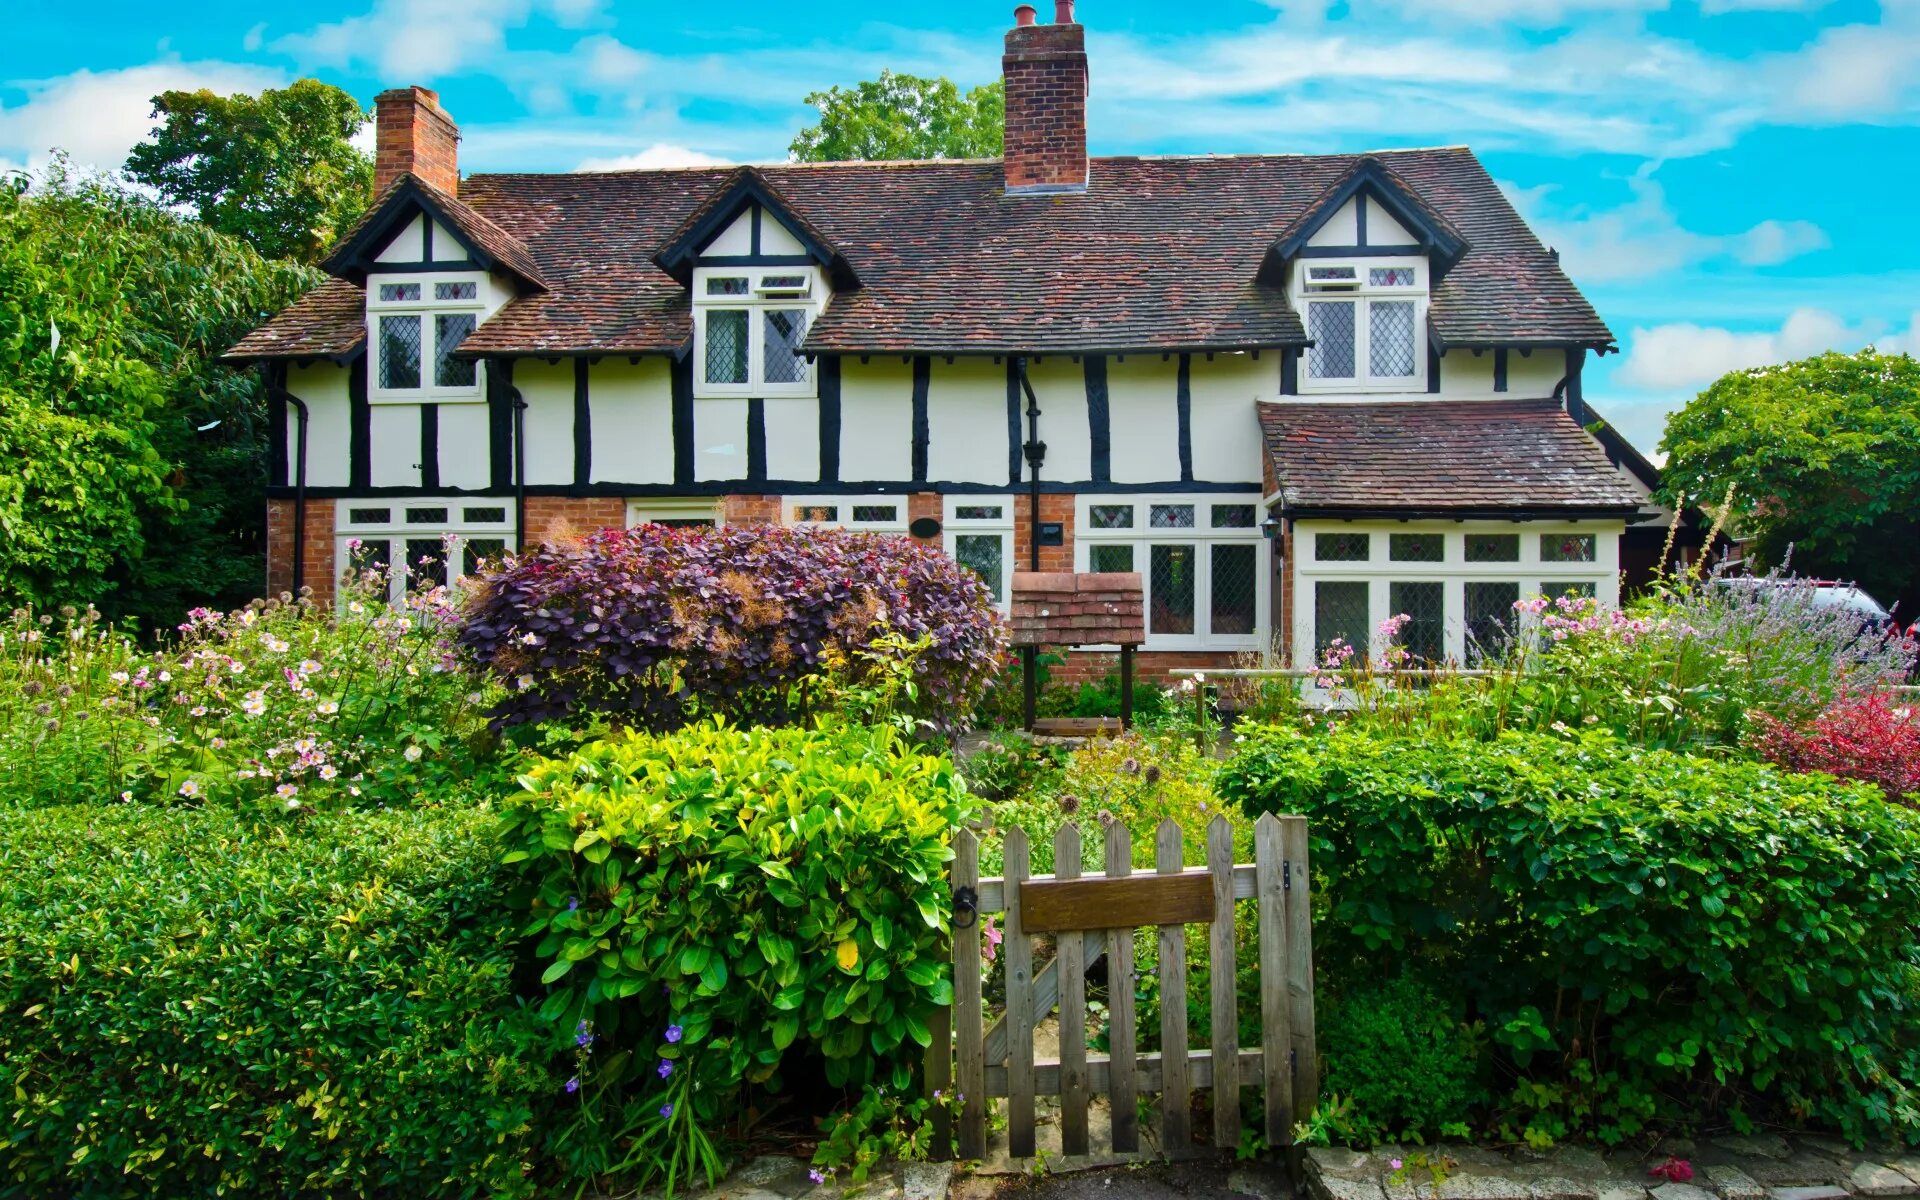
[1025,14]
[1045,69]
[1063,12]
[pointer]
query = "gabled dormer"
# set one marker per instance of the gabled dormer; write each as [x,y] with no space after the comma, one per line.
[1360,265]
[759,273]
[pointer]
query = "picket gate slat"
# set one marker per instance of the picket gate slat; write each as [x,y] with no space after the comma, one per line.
[1306,1063]
[1122,1086]
[1276,1027]
[1018,948]
[1222,955]
[1176,1098]
[971,1079]
[1071,960]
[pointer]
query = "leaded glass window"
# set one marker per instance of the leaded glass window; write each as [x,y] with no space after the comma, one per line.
[1390,338]
[1110,558]
[426,516]
[1339,613]
[1110,516]
[1234,516]
[399,293]
[1330,325]
[1234,587]
[1170,589]
[1423,602]
[785,327]
[979,512]
[449,330]
[370,516]
[484,516]
[415,328]
[1493,547]
[1417,547]
[1170,516]
[875,514]
[727,345]
[749,328]
[1390,277]
[400,351]
[984,555]
[727,285]
[1490,617]
[457,290]
[476,552]
[1566,547]
[1345,546]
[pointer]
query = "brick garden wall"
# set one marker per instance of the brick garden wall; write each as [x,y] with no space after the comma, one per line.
[318,572]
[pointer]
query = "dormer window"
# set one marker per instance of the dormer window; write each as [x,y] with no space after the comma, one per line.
[414,326]
[1367,320]
[749,323]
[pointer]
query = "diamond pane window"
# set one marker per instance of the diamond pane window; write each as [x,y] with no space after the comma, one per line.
[373,555]
[1424,603]
[727,285]
[983,554]
[1233,588]
[474,552]
[1417,547]
[468,290]
[1390,339]
[1339,612]
[1342,547]
[1390,277]
[1170,589]
[483,516]
[784,283]
[1566,547]
[426,516]
[784,328]
[979,512]
[427,561]
[370,516]
[1110,558]
[727,345]
[400,352]
[1233,516]
[1330,325]
[1493,547]
[875,513]
[1587,590]
[1110,516]
[816,512]
[1170,516]
[1489,618]
[395,293]
[449,330]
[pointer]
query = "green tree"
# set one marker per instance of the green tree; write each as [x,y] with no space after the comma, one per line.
[903,117]
[131,464]
[1823,456]
[277,170]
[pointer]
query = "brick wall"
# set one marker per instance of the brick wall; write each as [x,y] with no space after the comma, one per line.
[1045,68]
[412,133]
[565,518]
[751,510]
[1053,507]
[925,504]
[318,573]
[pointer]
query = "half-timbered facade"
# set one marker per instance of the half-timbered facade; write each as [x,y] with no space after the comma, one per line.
[1297,393]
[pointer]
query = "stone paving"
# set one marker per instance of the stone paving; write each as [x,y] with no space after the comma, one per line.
[1762,1167]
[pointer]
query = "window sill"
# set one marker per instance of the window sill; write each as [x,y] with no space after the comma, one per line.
[398,398]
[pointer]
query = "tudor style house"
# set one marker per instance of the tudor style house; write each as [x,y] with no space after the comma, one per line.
[1296,393]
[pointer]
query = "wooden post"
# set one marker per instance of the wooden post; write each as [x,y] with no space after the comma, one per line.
[1123,1073]
[1018,948]
[1126,687]
[972,1081]
[1071,961]
[1225,1010]
[1176,1102]
[1029,661]
[1306,1060]
[1276,1035]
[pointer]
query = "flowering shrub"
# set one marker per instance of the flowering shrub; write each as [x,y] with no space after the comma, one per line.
[655,627]
[1871,738]
[1649,938]
[277,703]
[711,902]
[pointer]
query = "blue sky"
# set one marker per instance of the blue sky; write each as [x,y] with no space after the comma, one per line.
[1730,181]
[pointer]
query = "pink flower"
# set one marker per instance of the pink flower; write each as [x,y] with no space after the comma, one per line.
[993,934]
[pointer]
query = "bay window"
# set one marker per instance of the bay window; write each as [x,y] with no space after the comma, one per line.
[1367,319]
[749,323]
[414,326]
[1200,561]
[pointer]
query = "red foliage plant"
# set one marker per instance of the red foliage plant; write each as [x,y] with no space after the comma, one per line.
[1874,737]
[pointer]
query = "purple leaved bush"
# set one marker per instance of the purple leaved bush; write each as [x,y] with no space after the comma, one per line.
[653,627]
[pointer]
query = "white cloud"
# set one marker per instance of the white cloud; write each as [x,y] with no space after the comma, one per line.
[407,41]
[654,157]
[1852,71]
[254,38]
[98,116]
[1531,13]
[1679,356]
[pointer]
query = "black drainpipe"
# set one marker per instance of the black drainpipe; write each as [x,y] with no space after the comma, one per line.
[1036,452]
[519,470]
[299,479]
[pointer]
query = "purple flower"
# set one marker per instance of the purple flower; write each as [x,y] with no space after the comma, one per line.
[674,1033]
[582,1036]
[573,903]
[573,1085]
[816,1176]
[666,1110]
[665,1068]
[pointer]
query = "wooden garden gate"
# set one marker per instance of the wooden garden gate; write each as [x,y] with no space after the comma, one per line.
[1095,916]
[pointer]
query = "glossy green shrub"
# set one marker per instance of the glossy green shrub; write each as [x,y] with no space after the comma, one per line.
[1403,1067]
[714,903]
[1648,937]
[193,1005]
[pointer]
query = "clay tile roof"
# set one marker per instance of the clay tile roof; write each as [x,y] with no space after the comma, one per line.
[328,322]
[1368,166]
[1061,608]
[1494,456]
[492,242]
[1158,254]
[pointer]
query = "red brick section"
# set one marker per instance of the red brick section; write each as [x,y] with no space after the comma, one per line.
[1045,67]
[319,572]
[1053,507]
[414,135]
[750,510]
[1060,608]
[557,519]
[1149,666]
[924,504]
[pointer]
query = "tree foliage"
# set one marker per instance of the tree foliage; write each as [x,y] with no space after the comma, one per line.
[131,464]
[1824,457]
[903,117]
[277,170]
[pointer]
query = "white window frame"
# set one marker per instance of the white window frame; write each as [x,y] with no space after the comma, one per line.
[676,508]
[789,506]
[426,308]
[1535,576]
[953,527]
[1361,296]
[453,533]
[756,302]
[1203,536]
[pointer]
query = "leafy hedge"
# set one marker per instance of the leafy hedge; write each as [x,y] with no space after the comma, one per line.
[724,899]
[656,627]
[195,1005]
[1648,937]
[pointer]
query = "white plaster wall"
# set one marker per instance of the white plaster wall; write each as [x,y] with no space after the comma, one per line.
[407,246]
[793,437]
[1384,230]
[720,438]
[1341,229]
[446,247]
[465,439]
[1226,425]
[1537,374]
[1061,385]
[1466,375]
[876,419]
[329,424]
[775,238]
[548,391]
[632,421]
[967,421]
[1143,406]
[736,238]
[393,452]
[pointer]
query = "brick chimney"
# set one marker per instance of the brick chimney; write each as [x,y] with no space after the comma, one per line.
[1045,68]
[413,133]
